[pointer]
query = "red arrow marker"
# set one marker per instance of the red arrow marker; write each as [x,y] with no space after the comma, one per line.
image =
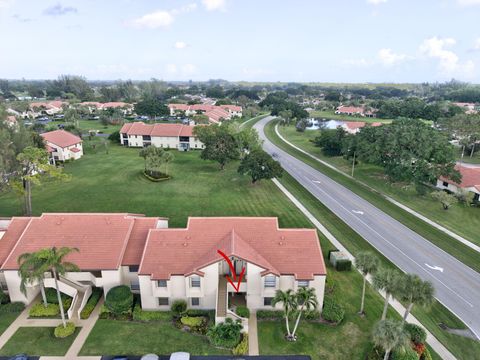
[232,270]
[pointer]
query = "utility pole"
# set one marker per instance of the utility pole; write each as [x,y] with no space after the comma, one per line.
[353,163]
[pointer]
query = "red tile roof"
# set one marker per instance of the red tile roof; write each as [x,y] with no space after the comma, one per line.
[61,138]
[353,125]
[350,109]
[470,177]
[138,237]
[232,108]
[14,231]
[257,240]
[140,128]
[101,238]
[75,150]
[117,104]
[11,119]
[56,104]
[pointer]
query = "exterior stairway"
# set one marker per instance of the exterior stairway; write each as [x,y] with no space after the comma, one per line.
[221,298]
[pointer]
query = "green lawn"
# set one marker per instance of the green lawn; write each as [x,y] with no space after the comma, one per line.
[475,159]
[469,220]
[86,125]
[330,115]
[37,341]
[6,319]
[135,338]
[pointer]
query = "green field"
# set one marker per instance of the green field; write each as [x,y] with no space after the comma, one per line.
[37,341]
[6,319]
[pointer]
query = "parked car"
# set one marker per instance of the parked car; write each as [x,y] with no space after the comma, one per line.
[19,357]
[120,357]
[149,357]
[180,355]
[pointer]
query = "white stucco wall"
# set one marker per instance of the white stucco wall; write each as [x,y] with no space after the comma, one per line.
[13,282]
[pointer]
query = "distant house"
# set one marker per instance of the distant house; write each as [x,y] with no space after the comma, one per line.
[354,111]
[93,106]
[470,181]
[214,113]
[469,108]
[63,145]
[11,121]
[169,136]
[46,108]
[352,127]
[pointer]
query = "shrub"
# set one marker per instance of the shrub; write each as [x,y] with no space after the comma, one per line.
[332,311]
[179,307]
[242,347]
[119,299]
[63,332]
[199,312]
[416,333]
[114,136]
[375,353]
[4,298]
[311,315]
[426,355]
[226,334]
[192,321]
[270,314]
[343,265]
[243,311]
[40,310]
[330,285]
[52,298]
[143,315]
[105,312]
[91,303]
[12,307]
[406,353]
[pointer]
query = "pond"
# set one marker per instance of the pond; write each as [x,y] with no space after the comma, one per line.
[315,124]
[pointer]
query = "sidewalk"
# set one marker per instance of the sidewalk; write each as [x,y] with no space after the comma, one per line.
[438,347]
[393,201]
[252,334]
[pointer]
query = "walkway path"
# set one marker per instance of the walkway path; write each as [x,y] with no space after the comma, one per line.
[393,201]
[252,334]
[86,326]
[431,340]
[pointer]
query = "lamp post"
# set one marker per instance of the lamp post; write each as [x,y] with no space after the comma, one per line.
[353,163]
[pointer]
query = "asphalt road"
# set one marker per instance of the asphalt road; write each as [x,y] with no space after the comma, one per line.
[457,286]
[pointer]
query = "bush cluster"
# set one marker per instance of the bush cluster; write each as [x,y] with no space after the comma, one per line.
[311,315]
[416,333]
[12,307]
[4,298]
[91,303]
[40,310]
[343,265]
[179,307]
[192,322]
[270,314]
[332,311]
[52,298]
[63,332]
[243,311]
[119,300]
[242,347]
[406,353]
[226,334]
[146,316]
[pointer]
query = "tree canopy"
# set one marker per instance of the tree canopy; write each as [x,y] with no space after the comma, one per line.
[260,165]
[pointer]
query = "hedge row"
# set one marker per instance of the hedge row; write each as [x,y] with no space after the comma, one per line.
[91,303]
[332,311]
[40,310]
[12,307]
[279,315]
[242,347]
[146,316]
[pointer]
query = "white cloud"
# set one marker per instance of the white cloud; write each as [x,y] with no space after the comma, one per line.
[468,2]
[180,45]
[154,20]
[449,62]
[212,5]
[376,2]
[388,58]
[185,9]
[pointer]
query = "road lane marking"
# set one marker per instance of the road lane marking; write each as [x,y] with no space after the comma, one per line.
[438,268]
[358,212]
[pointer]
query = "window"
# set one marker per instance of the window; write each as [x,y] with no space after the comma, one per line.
[195,301]
[445,184]
[270,281]
[195,281]
[163,301]
[133,268]
[161,283]
[303,283]
[135,286]
[267,301]
[97,274]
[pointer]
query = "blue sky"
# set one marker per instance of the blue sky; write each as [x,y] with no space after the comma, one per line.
[252,40]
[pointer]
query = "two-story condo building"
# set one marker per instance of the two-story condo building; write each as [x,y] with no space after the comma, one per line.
[169,136]
[165,264]
[62,145]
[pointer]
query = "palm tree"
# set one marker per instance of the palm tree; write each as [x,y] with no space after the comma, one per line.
[287,298]
[367,263]
[389,334]
[414,290]
[55,263]
[307,299]
[387,280]
[167,158]
[32,269]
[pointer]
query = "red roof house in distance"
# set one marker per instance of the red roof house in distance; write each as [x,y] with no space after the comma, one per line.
[354,111]
[215,113]
[352,127]
[63,145]
[169,136]
[470,181]
[163,264]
